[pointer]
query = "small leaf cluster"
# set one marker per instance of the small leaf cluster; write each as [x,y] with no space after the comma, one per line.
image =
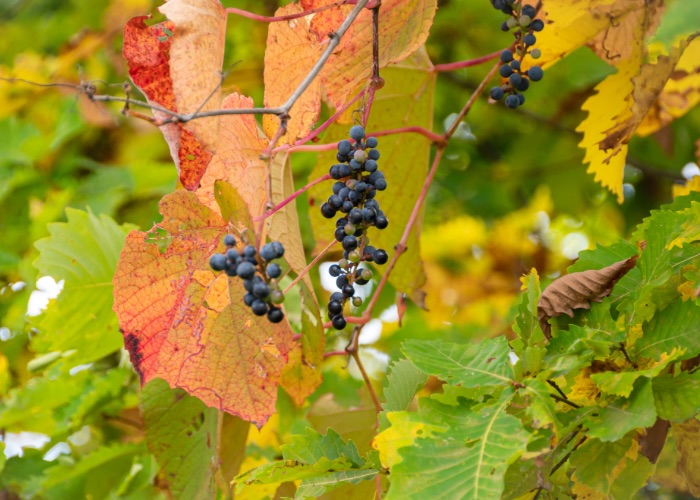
[586,412]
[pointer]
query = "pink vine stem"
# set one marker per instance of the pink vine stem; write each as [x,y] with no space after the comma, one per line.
[288,17]
[466,64]
[311,264]
[291,198]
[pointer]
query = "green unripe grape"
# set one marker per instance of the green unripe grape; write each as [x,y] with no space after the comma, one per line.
[350,183]
[366,274]
[343,263]
[354,256]
[511,22]
[360,155]
[357,301]
[349,229]
[536,53]
[276,297]
[524,21]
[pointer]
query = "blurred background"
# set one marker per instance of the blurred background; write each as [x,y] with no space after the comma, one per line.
[511,194]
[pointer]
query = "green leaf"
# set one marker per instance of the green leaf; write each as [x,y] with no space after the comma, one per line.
[466,460]
[321,462]
[233,208]
[83,252]
[541,406]
[624,414]
[526,323]
[97,473]
[483,365]
[621,383]
[575,348]
[406,98]
[677,398]
[182,434]
[615,469]
[403,381]
[678,325]
[688,444]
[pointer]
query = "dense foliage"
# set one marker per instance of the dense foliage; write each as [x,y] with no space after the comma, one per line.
[402,281]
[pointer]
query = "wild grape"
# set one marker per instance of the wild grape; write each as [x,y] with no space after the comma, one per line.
[258,273]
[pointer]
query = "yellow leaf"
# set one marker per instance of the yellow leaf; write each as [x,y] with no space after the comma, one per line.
[403,432]
[608,103]
[609,26]
[683,189]
[680,94]
[648,84]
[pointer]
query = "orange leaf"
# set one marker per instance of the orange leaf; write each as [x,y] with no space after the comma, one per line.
[184,324]
[403,28]
[576,290]
[289,55]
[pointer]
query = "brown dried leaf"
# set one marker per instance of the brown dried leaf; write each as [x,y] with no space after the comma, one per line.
[576,290]
[651,443]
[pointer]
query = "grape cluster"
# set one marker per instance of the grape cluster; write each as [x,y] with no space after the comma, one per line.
[259,275]
[522,21]
[358,179]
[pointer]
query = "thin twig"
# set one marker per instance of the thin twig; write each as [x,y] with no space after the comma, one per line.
[353,349]
[468,63]
[557,388]
[288,17]
[564,400]
[627,357]
[376,81]
[566,457]
[335,353]
[311,264]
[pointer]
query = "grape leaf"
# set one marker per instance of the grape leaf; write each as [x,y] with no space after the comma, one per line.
[648,84]
[321,462]
[287,41]
[302,374]
[147,52]
[403,28]
[688,444]
[624,414]
[680,94]
[608,26]
[184,324]
[480,366]
[402,382]
[83,252]
[466,455]
[164,67]
[406,98]
[182,434]
[284,224]
[677,398]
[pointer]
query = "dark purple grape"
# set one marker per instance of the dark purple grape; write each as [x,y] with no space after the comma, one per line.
[217,262]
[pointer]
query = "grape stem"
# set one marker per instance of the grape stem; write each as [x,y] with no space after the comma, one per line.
[291,198]
[376,82]
[288,17]
[400,248]
[466,64]
[304,271]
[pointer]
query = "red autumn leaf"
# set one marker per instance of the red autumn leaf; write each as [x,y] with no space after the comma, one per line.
[147,51]
[403,27]
[576,290]
[184,324]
